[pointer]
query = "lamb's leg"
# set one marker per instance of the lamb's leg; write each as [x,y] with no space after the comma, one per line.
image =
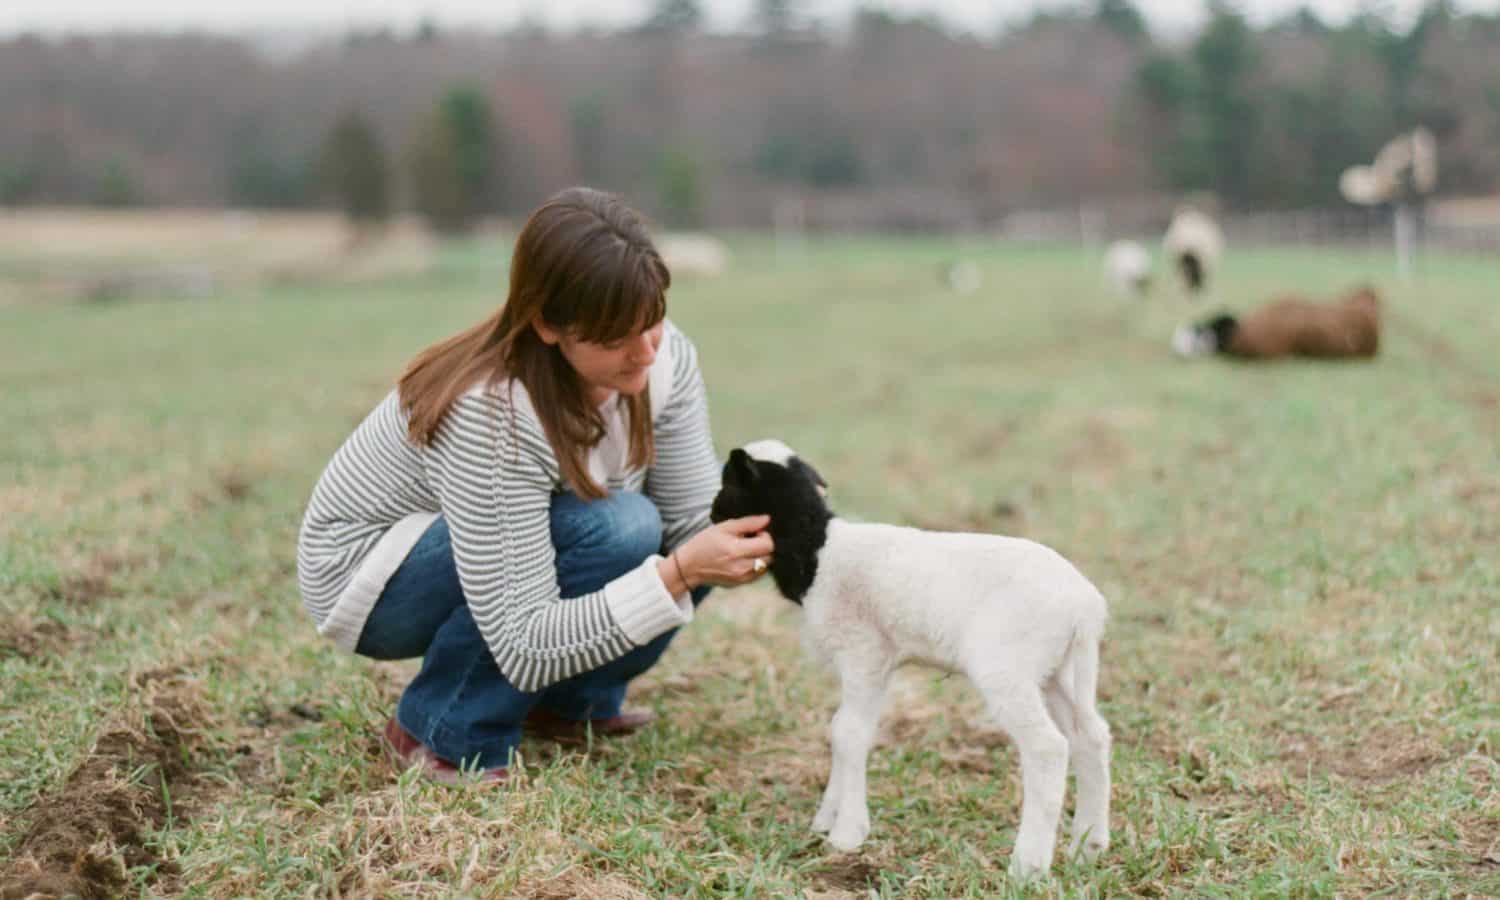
[853,733]
[1072,706]
[1091,764]
[1020,711]
[829,807]
[1088,751]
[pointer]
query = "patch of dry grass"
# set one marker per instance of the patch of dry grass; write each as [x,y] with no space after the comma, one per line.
[59,255]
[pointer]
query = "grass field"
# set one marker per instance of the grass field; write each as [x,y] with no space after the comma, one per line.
[1301,668]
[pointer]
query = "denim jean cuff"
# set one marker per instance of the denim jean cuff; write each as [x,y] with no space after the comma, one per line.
[460,751]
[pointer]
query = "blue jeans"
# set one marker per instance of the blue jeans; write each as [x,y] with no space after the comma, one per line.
[459,705]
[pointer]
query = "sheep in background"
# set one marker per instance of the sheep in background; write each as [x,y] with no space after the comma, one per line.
[1127,267]
[1194,243]
[961,276]
[1290,326]
[693,254]
[1014,616]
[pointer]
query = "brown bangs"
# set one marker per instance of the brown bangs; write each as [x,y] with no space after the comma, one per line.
[622,294]
[585,265]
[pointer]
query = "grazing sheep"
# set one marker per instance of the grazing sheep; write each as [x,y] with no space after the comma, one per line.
[961,276]
[1290,326]
[1194,243]
[693,254]
[1127,267]
[1011,614]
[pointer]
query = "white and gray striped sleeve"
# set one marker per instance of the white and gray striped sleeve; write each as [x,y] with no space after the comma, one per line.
[493,473]
[685,477]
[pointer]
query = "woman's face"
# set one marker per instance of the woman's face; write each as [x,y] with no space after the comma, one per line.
[623,365]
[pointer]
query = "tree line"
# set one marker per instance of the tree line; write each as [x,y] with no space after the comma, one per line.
[706,128]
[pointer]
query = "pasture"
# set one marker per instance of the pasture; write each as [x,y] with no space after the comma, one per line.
[1300,670]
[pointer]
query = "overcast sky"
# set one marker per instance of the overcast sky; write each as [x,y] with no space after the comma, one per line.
[983,16]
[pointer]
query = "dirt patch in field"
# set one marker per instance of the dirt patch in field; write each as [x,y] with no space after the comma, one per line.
[847,873]
[1480,840]
[30,639]
[1384,755]
[1485,398]
[83,838]
[1097,445]
[985,443]
[577,883]
[231,484]
[1002,516]
[955,739]
[91,580]
[235,484]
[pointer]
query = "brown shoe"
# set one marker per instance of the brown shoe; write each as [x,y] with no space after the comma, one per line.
[405,751]
[544,723]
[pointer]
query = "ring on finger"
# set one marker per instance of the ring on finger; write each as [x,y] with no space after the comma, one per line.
[759,565]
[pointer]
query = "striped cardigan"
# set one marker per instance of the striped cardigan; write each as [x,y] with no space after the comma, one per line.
[491,473]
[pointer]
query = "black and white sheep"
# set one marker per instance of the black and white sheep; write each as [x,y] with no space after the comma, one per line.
[1014,616]
[1194,243]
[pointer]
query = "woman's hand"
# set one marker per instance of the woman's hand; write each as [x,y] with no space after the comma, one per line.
[735,551]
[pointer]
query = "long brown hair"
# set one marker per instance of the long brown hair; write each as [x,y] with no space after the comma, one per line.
[585,265]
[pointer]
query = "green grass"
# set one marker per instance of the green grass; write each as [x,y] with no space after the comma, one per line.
[1300,670]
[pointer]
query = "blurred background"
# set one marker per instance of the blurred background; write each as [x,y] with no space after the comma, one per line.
[1077,121]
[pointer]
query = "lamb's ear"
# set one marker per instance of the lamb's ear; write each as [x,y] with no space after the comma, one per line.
[817,479]
[742,467]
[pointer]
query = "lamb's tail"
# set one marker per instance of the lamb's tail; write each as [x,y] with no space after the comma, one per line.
[1084,665]
[1078,676]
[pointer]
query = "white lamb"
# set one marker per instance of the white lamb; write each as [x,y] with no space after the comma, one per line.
[687,253]
[1194,243]
[1127,266]
[1015,617]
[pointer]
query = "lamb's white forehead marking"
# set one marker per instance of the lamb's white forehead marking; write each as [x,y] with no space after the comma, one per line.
[770,451]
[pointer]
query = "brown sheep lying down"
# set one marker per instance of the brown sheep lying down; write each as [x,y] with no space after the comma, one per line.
[1290,326]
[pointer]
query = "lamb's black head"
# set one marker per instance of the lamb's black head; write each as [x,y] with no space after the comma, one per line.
[767,478]
[1210,336]
[1223,328]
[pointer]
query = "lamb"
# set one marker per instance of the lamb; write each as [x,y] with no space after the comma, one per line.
[961,276]
[1014,616]
[690,253]
[1127,266]
[1290,326]
[1194,243]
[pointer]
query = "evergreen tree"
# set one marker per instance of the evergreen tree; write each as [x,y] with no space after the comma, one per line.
[774,18]
[354,169]
[1226,60]
[679,185]
[674,15]
[453,162]
[116,186]
[586,116]
[1122,18]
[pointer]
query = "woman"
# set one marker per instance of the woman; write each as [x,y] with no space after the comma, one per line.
[528,510]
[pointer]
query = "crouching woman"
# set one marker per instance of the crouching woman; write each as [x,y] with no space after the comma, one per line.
[528,510]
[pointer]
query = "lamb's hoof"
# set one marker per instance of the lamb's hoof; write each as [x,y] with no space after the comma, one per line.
[849,838]
[1089,847]
[1024,869]
[823,822]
